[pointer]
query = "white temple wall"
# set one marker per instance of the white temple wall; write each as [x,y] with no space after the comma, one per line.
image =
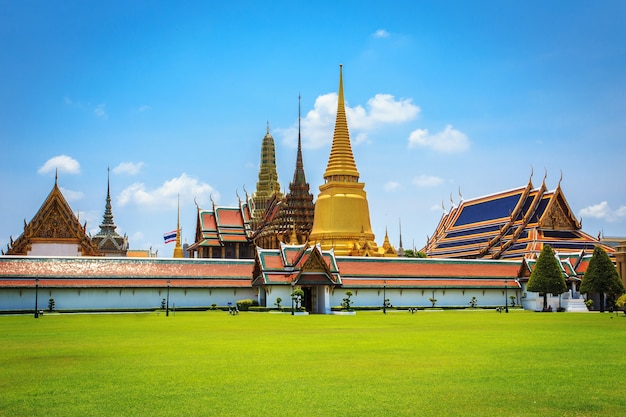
[363,297]
[116,298]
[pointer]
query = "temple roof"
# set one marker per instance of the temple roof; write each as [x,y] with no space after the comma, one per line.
[101,272]
[221,225]
[54,222]
[286,266]
[295,265]
[512,224]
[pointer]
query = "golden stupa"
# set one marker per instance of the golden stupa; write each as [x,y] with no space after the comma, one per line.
[342,217]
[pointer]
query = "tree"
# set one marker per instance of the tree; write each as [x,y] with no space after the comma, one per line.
[602,277]
[547,276]
[410,253]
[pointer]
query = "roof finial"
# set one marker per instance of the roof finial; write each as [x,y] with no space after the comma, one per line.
[56,177]
[268,127]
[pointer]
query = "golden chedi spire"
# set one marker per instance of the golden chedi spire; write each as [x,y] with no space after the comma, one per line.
[341,160]
[342,218]
[178,249]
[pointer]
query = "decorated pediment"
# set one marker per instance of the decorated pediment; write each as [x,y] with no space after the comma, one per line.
[54,222]
[558,215]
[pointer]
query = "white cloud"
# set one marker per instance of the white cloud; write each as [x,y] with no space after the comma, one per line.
[71,195]
[381,33]
[604,212]
[391,186]
[129,168]
[448,140]
[424,181]
[318,124]
[62,163]
[100,112]
[167,194]
[144,108]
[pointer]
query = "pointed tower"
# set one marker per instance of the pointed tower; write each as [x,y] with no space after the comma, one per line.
[178,249]
[267,186]
[108,240]
[289,220]
[342,218]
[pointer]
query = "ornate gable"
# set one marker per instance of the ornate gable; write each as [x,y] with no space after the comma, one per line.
[558,215]
[54,223]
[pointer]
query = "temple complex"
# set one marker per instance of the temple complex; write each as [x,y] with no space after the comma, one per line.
[267,186]
[110,243]
[270,245]
[288,219]
[53,231]
[512,224]
[342,218]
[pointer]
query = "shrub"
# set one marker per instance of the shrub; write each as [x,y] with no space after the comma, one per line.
[244,305]
[589,304]
[346,301]
[51,304]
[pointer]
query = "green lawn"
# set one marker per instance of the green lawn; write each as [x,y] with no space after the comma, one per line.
[451,363]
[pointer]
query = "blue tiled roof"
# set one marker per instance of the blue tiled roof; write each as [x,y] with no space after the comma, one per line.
[488,210]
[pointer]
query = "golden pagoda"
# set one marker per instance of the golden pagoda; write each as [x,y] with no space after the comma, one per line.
[342,217]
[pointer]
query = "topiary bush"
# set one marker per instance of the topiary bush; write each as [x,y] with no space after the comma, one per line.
[244,305]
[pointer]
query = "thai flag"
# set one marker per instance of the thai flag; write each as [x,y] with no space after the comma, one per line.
[170,236]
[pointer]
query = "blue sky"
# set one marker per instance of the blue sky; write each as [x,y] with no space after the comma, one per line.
[442,96]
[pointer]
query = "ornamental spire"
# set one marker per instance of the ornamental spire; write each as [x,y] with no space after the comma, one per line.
[178,249]
[341,165]
[298,176]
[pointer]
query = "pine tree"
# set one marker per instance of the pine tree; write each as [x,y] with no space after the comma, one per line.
[547,276]
[602,277]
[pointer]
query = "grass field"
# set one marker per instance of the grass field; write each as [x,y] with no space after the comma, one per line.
[451,363]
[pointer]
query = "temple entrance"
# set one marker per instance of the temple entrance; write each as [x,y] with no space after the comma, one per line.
[307,302]
[314,300]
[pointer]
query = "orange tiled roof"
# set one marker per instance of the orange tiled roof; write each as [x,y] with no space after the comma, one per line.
[122,272]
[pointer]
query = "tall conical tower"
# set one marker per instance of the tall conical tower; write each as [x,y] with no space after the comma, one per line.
[267,185]
[108,240]
[342,218]
[292,219]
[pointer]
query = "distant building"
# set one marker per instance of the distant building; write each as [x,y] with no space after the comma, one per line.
[223,232]
[288,219]
[512,224]
[53,231]
[267,187]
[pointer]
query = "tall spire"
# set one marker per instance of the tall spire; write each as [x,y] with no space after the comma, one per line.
[341,165]
[108,226]
[108,240]
[298,175]
[342,219]
[267,186]
[178,249]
